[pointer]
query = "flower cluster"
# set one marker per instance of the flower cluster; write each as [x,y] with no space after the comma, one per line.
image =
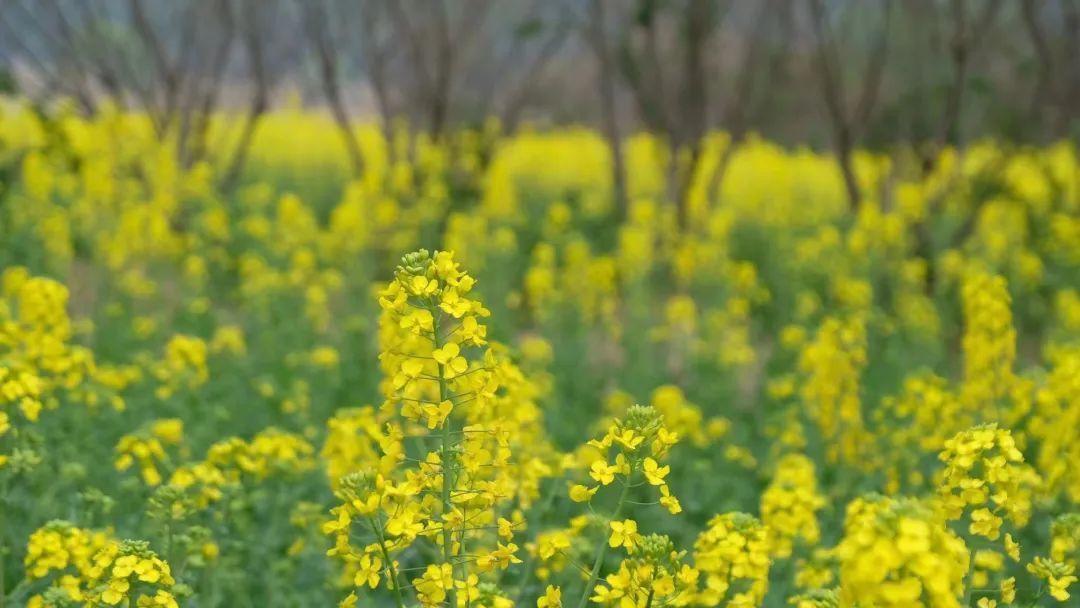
[1065,538]
[37,358]
[557,548]
[733,555]
[183,366]
[91,568]
[989,341]
[474,409]
[146,449]
[898,552]
[832,363]
[219,348]
[917,422]
[653,574]
[1058,576]
[985,477]
[354,440]
[1056,426]
[19,392]
[789,505]
[232,461]
[639,442]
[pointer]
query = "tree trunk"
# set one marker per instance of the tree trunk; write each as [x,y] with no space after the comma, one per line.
[609,111]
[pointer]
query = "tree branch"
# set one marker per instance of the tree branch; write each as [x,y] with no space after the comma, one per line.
[598,37]
[319,35]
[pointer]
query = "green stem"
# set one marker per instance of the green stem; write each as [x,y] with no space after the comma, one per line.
[3,538]
[531,560]
[448,478]
[601,548]
[377,528]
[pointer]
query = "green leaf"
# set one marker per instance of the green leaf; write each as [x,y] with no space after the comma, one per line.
[528,28]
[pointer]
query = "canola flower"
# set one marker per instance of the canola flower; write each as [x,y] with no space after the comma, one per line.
[639,441]
[832,363]
[985,472]
[789,505]
[92,569]
[733,554]
[456,496]
[989,340]
[289,413]
[899,552]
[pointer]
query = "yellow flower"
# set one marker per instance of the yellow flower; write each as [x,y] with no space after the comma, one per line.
[368,571]
[580,493]
[552,598]
[1008,590]
[116,591]
[626,437]
[161,598]
[437,413]
[501,558]
[420,320]
[337,525]
[623,533]
[147,571]
[668,501]
[602,472]
[170,430]
[985,523]
[606,596]
[404,524]
[124,566]
[1012,548]
[1058,586]
[664,441]
[422,286]
[506,528]
[654,473]
[449,356]
[434,584]
[453,304]
[472,331]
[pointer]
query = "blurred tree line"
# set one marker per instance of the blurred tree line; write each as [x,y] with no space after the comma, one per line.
[843,74]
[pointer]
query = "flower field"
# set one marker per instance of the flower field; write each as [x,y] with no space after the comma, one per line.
[462,380]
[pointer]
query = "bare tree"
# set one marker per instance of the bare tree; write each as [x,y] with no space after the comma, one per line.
[848,123]
[741,110]
[1070,102]
[966,36]
[174,75]
[188,79]
[673,102]
[693,101]
[377,53]
[202,99]
[678,68]
[1057,84]
[598,38]
[252,35]
[322,40]
[437,41]
[670,56]
[515,72]
[168,67]
[39,40]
